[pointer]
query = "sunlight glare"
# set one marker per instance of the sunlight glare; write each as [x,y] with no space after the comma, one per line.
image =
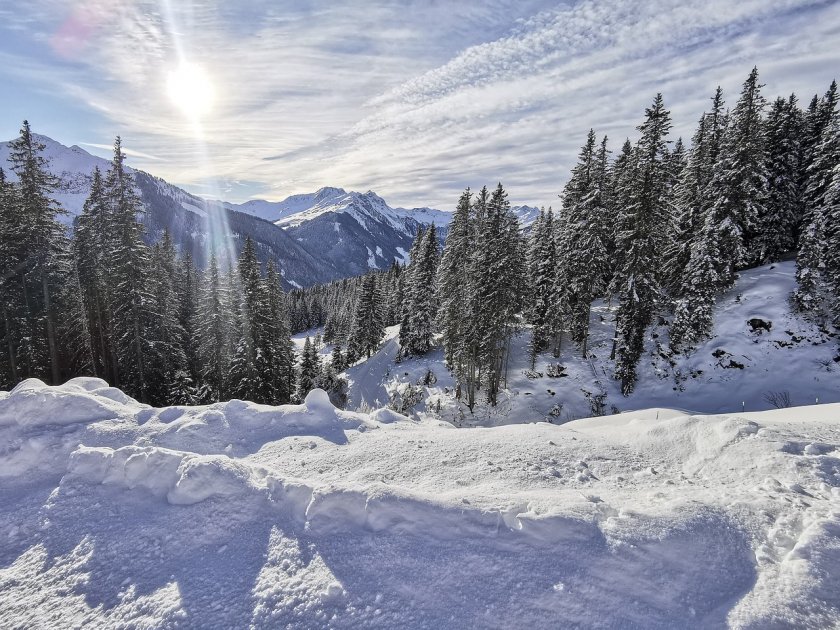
[190,89]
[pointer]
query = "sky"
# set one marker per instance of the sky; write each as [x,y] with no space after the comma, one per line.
[414,99]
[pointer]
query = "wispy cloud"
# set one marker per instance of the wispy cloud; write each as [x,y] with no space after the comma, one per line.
[415,99]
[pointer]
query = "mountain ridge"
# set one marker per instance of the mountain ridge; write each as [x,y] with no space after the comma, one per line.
[314,237]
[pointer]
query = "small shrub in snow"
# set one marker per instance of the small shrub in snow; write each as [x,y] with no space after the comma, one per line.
[780,400]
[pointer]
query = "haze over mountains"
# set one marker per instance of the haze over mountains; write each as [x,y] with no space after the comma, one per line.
[315,237]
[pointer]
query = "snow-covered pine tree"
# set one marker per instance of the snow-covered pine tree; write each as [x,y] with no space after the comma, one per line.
[213,328]
[829,213]
[168,379]
[309,370]
[739,185]
[278,356]
[128,264]
[337,361]
[39,239]
[368,325]
[408,290]
[451,285]
[620,180]
[776,227]
[422,305]
[9,283]
[245,377]
[186,287]
[497,288]
[584,250]
[643,227]
[542,265]
[816,176]
[93,238]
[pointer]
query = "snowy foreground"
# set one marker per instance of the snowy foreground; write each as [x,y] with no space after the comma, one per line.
[113,514]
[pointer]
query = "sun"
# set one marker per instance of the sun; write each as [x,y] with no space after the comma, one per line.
[190,90]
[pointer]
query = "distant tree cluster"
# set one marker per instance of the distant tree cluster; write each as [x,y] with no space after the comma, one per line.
[104,303]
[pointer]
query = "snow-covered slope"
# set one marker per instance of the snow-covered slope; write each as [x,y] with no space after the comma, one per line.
[113,514]
[745,365]
[72,165]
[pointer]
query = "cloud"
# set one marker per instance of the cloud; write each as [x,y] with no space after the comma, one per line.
[415,99]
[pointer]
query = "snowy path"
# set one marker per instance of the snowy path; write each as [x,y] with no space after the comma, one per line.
[238,515]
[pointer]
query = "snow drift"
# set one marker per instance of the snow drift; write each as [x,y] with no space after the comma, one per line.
[114,514]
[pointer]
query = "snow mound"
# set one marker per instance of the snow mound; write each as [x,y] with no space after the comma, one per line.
[33,403]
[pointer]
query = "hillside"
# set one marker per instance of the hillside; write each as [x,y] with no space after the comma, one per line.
[114,514]
[741,365]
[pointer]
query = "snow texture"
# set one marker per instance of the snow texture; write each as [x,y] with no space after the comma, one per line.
[115,514]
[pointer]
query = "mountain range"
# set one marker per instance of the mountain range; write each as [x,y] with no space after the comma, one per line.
[314,237]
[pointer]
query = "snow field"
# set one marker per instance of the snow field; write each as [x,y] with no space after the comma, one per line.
[237,515]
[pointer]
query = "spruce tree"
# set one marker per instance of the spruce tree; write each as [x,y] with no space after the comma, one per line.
[739,186]
[818,162]
[368,325]
[421,305]
[93,239]
[128,263]
[643,229]
[168,378]
[451,283]
[213,327]
[39,238]
[245,378]
[542,264]
[277,356]
[309,371]
[583,253]
[777,226]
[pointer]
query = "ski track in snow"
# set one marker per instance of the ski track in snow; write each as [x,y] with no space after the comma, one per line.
[114,514]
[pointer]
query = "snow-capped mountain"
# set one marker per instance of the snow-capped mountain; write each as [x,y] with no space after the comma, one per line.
[526,214]
[314,237]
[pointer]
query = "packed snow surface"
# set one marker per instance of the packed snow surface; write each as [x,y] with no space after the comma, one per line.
[115,514]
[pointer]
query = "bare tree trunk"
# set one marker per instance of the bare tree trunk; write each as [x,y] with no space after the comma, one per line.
[56,375]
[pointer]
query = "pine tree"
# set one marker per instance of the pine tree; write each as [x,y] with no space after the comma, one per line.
[818,161]
[583,251]
[186,287]
[421,305]
[39,238]
[168,377]
[368,325]
[93,239]
[278,350]
[245,380]
[739,186]
[309,371]
[451,283]
[643,226]
[213,328]
[128,263]
[776,227]
[496,290]
[542,265]
[9,276]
